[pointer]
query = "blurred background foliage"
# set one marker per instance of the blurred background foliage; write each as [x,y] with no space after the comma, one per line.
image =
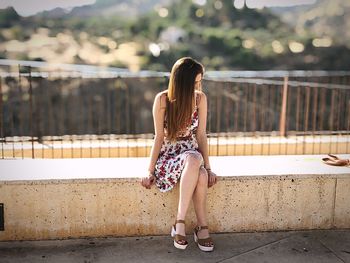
[152,34]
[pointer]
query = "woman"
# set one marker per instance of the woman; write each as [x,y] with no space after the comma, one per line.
[180,149]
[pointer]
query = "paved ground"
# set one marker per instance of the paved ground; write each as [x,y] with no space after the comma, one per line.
[328,246]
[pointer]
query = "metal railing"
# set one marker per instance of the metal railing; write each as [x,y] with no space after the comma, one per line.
[65,114]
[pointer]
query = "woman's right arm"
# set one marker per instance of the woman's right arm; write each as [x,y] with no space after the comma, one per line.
[158,120]
[158,112]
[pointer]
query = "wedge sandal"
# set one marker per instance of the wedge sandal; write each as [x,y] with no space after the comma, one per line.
[203,242]
[180,241]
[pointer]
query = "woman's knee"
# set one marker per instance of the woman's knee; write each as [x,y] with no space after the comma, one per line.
[193,159]
[203,177]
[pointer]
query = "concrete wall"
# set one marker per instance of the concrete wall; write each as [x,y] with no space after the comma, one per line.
[51,209]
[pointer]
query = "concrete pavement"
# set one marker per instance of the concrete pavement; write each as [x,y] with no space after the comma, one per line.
[311,246]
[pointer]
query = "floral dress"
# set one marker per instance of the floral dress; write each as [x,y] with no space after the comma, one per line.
[172,156]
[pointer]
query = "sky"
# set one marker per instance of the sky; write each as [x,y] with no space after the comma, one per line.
[31,7]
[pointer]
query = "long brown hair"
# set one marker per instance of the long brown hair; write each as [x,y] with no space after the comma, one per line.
[181,92]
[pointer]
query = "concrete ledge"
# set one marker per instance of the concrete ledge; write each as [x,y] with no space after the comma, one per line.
[66,198]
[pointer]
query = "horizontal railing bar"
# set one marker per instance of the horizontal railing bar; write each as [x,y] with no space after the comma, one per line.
[103,75]
[209,74]
[280,83]
[291,83]
[278,73]
[151,136]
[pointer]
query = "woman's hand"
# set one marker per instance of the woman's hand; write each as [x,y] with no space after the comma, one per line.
[148,181]
[212,178]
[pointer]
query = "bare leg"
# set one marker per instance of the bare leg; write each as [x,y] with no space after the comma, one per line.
[188,183]
[200,197]
[200,202]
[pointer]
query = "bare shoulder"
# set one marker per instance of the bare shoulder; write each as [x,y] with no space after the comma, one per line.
[201,97]
[200,93]
[161,98]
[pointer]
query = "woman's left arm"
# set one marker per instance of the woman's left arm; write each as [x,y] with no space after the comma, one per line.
[201,136]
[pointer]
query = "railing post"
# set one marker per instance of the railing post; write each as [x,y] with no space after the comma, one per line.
[1,122]
[284,108]
[31,109]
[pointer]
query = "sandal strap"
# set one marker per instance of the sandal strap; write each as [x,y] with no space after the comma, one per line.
[180,221]
[333,156]
[204,241]
[179,237]
[198,228]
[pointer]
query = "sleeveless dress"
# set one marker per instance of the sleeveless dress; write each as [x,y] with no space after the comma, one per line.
[172,156]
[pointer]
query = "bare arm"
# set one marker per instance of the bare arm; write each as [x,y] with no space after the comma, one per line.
[158,120]
[201,136]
